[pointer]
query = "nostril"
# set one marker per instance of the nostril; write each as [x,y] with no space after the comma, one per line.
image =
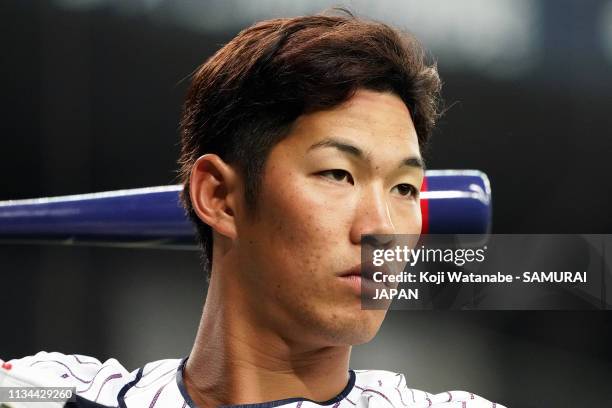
[378,240]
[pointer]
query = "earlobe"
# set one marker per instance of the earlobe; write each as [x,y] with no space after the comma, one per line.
[213,189]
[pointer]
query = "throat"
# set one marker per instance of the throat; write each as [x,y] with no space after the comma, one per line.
[238,385]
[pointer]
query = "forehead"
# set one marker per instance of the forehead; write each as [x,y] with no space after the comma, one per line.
[371,119]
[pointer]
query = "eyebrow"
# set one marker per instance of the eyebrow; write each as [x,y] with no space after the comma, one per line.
[345,147]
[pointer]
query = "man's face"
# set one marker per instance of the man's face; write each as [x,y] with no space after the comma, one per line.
[340,173]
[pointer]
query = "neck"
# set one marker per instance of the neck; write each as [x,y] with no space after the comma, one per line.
[236,361]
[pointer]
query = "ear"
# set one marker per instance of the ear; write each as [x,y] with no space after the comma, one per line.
[213,188]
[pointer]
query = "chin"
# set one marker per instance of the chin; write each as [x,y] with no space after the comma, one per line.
[354,328]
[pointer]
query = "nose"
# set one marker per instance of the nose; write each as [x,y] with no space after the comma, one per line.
[372,220]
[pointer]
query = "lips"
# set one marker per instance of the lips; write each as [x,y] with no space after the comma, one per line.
[365,270]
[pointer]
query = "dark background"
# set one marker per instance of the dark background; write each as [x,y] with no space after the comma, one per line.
[91,98]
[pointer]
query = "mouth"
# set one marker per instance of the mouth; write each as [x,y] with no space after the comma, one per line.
[365,271]
[360,279]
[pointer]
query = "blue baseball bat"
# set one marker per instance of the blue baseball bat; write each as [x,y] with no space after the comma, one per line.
[452,201]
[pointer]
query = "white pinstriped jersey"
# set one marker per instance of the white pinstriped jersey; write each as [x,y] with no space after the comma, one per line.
[159,384]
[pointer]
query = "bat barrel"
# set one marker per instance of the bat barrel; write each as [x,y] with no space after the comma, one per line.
[456,202]
[452,201]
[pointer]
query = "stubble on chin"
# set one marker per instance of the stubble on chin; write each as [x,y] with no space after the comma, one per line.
[327,318]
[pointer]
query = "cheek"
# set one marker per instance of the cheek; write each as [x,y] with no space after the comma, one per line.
[296,202]
[407,219]
[296,216]
[415,221]
[301,227]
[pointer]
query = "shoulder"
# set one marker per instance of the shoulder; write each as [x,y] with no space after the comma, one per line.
[96,381]
[386,388]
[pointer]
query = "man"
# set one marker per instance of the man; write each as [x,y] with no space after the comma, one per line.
[298,137]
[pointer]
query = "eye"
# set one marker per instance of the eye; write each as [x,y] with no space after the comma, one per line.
[337,175]
[407,190]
